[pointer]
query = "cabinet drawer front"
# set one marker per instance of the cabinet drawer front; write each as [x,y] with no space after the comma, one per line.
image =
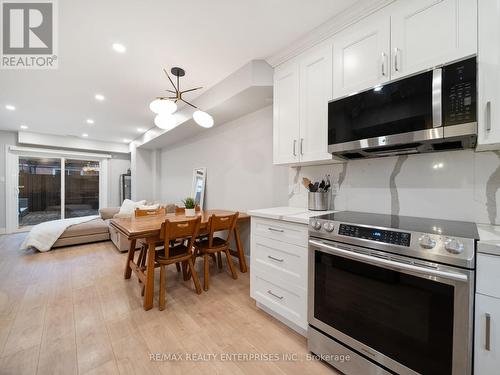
[488,277]
[286,261]
[290,303]
[282,231]
[487,335]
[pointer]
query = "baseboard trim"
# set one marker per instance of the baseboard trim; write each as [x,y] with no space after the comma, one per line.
[282,319]
[3,230]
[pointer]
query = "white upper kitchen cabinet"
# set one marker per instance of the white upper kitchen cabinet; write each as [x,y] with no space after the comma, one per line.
[427,33]
[315,92]
[488,115]
[361,55]
[286,113]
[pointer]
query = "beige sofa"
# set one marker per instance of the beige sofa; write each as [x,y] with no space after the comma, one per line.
[98,230]
[91,231]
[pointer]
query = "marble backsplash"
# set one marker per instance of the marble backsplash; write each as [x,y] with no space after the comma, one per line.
[456,185]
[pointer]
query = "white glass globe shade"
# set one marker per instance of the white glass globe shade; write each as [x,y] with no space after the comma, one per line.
[203,119]
[163,106]
[165,121]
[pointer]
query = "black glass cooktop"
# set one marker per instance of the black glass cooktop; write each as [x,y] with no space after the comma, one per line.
[416,224]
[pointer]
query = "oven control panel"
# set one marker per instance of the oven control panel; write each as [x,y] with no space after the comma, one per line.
[387,236]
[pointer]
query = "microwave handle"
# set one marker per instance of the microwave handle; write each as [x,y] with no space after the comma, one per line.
[437,102]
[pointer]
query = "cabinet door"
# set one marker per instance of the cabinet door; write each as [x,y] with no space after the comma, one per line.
[427,33]
[361,55]
[286,113]
[488,115]
[315,92]
[487,335]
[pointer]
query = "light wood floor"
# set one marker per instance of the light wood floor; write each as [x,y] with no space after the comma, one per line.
[69,311]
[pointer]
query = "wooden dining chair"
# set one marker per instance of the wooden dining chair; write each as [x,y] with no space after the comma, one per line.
[175,252]
[216,245]
[140,213]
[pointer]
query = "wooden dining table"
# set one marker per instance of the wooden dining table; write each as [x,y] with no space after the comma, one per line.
[148,229]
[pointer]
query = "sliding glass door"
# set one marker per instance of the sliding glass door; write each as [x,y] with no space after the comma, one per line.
[81,188]
[51,188]
[39,197]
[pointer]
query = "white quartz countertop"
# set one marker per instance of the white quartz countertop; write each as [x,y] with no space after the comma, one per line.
[293,214]
[489,242]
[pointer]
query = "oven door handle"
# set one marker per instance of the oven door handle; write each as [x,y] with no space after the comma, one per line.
[388,263]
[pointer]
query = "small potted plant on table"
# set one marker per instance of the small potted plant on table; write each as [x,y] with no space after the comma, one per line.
[189,206]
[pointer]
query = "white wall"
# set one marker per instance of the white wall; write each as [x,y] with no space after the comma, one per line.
[457,185]
[118,165]
[145,168]
[6,138]
[238,158]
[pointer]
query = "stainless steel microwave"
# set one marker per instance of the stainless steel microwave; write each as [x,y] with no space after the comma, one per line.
[430,111]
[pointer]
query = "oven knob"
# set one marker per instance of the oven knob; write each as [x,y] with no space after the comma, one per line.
[426,242]
[329,227]
[453,246]
[316,224]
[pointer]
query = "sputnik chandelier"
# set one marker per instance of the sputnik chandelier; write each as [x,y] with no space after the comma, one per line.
[165,106]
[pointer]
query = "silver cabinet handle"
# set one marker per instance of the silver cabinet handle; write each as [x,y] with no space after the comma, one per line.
[488,116]
[274,295]
[276,230]
[396,59]
[487,335]
[383,64]
[276,259]
[302,146]
[294,147]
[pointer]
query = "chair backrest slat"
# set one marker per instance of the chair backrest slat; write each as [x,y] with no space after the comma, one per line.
[149,212]
[220,223]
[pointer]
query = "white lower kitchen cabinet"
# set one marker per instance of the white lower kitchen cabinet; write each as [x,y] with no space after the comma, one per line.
[278,270]
[487,316]
[487,335]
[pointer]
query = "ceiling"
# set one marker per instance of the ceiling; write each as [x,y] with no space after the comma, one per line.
[209,39]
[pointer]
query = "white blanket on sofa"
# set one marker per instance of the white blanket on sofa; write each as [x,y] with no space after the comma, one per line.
[43,236]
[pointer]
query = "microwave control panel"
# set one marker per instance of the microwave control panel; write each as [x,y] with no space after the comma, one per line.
[459,92]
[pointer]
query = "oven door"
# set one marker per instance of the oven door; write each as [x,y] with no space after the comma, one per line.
[412,318]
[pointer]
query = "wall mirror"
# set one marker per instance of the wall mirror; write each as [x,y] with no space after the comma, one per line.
[198,187]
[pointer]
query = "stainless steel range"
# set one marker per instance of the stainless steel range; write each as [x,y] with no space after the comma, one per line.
[394,293]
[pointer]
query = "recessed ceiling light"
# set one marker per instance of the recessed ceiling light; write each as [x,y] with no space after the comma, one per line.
[10,107]
[85,135]
[90,121]
[118,47]
[126,140]
[140,130]
[99,97]
[24,127]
